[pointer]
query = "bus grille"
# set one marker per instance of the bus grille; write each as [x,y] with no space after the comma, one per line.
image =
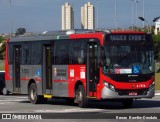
[126,92]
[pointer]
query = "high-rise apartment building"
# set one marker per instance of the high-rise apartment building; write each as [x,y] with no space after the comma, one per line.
[87,16]
[67,17]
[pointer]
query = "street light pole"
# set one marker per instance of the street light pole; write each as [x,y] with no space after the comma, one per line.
[116,14]
[148,26]
[97,14]
[10,11]
[143,13]
[134,20]
[136,2]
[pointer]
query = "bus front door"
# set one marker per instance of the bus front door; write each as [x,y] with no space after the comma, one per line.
[92,69]
[16,69]
[47,69]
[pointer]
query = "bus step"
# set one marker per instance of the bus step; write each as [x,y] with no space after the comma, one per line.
[47,96]
[91,97]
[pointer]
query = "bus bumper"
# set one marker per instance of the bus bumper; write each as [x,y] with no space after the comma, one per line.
[110,94]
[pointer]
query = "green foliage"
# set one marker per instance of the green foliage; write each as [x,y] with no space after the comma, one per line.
[157,81]
[156,39]
[20,31]
[2,48]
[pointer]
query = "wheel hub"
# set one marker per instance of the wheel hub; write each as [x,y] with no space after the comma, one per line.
[33,94]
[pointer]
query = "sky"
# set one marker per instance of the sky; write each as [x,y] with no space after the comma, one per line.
[45,15]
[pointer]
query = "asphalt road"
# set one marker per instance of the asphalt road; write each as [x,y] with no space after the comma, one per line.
[20,104]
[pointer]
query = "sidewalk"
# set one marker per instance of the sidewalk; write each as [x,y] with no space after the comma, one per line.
[157,92]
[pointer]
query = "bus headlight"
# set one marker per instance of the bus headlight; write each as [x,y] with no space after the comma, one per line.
[151,85]
[108,85]
[112,87]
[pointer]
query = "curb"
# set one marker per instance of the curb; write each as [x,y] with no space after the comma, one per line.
[157,94]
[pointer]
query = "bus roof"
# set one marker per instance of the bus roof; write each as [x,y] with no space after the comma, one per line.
[51,35]
[76,33]
[126,32]
[37,38]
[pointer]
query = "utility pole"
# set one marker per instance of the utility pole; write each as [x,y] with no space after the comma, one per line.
[97,14]
[132,14]
[136,2]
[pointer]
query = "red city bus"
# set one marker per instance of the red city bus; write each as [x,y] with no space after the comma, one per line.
[81,65]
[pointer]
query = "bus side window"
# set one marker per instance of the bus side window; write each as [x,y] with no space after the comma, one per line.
[10,53]
[74,58]
[78,52]
[36,57]
[81,56]
[62,52]
[26,54]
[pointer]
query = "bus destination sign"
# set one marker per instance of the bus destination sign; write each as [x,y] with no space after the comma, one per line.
[126,37]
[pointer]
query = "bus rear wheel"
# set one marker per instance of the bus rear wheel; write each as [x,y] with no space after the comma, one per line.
[5,91]
[81,97]
[127,103]
[33,95]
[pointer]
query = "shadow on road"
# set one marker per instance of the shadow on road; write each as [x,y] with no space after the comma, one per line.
[145,103]
[118,105]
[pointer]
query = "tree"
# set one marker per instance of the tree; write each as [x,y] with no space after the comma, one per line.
[2,48]
[156,39]
[20,31]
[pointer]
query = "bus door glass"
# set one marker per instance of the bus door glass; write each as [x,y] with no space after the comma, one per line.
[92,68]
[47,69]
[16,69]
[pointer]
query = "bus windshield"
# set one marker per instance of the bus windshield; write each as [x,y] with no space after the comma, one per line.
[130,59]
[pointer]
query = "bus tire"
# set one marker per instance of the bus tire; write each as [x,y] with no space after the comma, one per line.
[5,91]
[33,96]
[127,103]
[81,97]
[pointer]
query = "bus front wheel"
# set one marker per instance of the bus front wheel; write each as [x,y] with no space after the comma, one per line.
[33,95]
[81,97]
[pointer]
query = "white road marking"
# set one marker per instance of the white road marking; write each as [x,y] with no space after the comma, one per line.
[157,93]
[10,99]
[79,110]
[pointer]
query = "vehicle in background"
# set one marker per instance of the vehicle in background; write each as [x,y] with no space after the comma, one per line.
[3,89]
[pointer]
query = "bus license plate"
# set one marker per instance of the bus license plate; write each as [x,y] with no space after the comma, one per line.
[133,93]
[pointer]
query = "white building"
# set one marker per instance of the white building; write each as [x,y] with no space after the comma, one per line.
[157,26]
[88,16]
[67,17]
